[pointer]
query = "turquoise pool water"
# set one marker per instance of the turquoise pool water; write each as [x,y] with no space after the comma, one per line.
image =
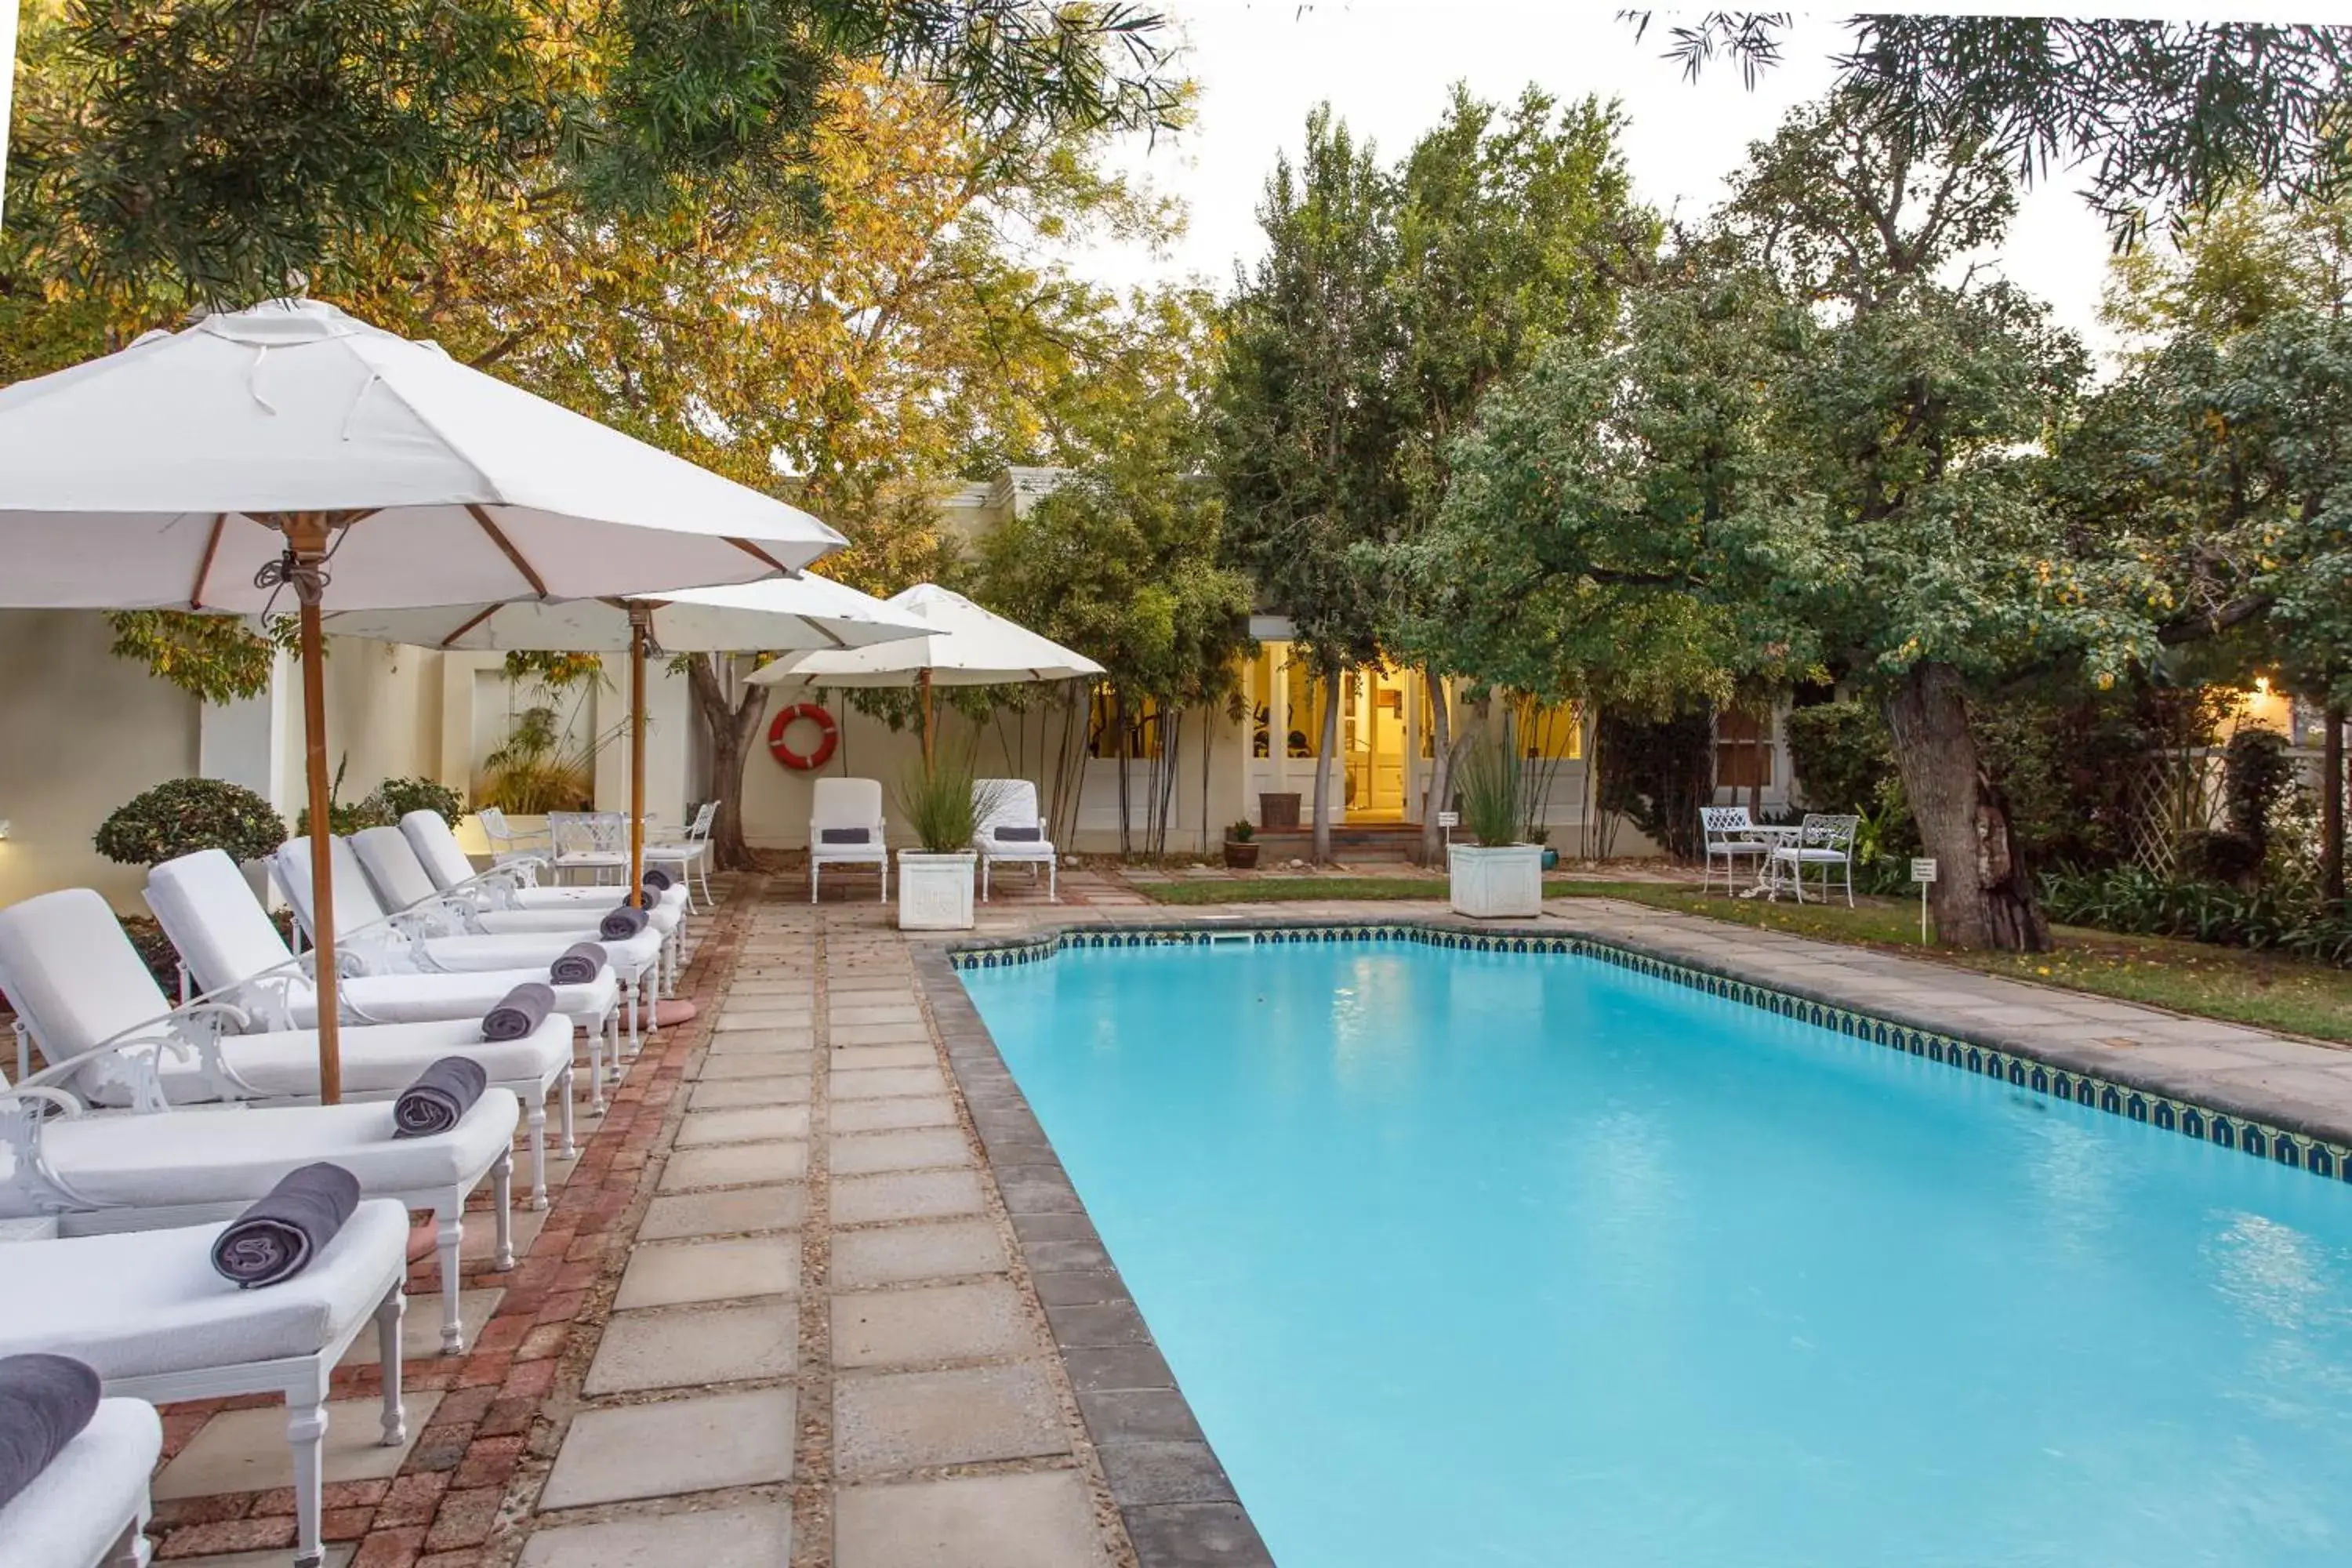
[1485,1260]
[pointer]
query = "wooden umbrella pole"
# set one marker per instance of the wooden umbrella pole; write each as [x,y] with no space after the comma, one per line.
[638,637]
[306,537]
[923,701]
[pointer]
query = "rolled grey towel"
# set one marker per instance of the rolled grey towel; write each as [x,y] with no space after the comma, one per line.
[578,964]
[845,834]
[440,1097]
[520,1012]
[656,879]
[44,1402]
[275,1238]
[621,924]
[1021,836]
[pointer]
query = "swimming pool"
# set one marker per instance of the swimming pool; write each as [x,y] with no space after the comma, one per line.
[1480,1258]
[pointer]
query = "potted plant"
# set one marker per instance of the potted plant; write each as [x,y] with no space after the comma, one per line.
[1498,877]
[945,809]
[1241,847]
[1542,837]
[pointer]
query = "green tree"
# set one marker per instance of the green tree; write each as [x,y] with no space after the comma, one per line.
[1307,425]
[1515,228]
[2172,116]
[220,148]
[1122,561]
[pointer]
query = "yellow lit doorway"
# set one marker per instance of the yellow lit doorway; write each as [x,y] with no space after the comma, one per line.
[1374,741]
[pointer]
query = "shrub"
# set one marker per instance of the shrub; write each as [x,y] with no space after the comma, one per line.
[533,773]
[1241,832]
[944,806]
[397,797]
[2256,774]
[1658,774]
[1488,780]
[2284,917]
[183,815]
[1842,755]
[344,820]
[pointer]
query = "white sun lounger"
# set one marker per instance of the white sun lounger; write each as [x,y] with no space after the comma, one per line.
[90,1509]
[79,988]
[427,938]
[510,889]
[1012,803]
[847,805]
[149,1315]
[231,946]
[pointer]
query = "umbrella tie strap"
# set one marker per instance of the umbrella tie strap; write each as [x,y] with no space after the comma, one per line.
[253,380]
[309,579]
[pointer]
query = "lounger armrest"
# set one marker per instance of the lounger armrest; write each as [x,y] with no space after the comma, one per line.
[131,1059]
[25,1110]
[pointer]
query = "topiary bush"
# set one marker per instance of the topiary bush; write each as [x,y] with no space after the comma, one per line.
[184,815]
[395,798]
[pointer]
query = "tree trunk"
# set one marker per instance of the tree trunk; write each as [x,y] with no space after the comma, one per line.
[1983,894]
[1118,737]
[1323,753]
[730,727]
[2331,808]
[1441,769]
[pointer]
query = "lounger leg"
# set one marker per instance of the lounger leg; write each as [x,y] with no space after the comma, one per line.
[388,1356]
[984,864]
[811,878]
[535,1123]
[597,1034]
[306,1434]
[502,1205]
[450,1235]
[564,1115]
[131,1548]
[1053,881]
[632,987]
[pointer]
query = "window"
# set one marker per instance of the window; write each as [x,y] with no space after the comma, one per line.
[1143,726]
[1743,750]
[1550,732]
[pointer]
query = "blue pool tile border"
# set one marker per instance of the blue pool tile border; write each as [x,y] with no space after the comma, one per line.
[2298,1149]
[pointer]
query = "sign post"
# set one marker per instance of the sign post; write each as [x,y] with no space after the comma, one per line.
[1922,871]
[1449,821]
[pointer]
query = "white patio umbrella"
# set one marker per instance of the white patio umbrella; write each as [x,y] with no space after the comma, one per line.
[774,614]
[290,451]
[965,646]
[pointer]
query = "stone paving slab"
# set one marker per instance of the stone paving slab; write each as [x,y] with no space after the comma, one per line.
[690,1346]
[734,1165]
[889,1115]
[856,1058]
[909,1149]
[930,1323]
[672,1274]
[727,1094]
[907,1194]
[756,1537]
[906,1034]
[674,1447]
[760,1124]
[887,1083]
[1039,1521]
[797,1041]
[901,1254]
[785,1062]
[912,1420]
[723,1212]
[244,1450]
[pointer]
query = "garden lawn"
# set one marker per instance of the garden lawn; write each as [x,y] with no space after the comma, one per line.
[2231,983]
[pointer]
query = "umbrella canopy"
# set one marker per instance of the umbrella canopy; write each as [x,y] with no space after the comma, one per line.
[289,452]
[166,476]
[778,614]
[966,645]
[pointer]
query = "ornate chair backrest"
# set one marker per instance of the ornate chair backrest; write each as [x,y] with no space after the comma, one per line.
[1722,824]
[1829,830]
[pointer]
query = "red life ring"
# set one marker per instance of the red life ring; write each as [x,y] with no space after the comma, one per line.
[815,715]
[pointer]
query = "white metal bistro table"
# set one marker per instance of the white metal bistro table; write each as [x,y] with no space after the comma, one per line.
[1777,835]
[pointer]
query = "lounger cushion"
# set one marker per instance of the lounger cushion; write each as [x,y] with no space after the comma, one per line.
[234,1154]
[378,1058]
[209,911]
[77,1508]
[144,1302]
[599,897]
[575,919]
[530,950]
[72,973]
[424,998]
[437,851]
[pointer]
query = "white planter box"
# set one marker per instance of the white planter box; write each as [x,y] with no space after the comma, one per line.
[1505,883]
[935,890]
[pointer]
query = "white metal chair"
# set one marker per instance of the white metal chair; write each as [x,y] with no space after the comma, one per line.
[843,807]
[147,1313]
[1824,841]
[1013,803]
[689,857]
[1729,836]
[596,842]
[89,1507]
[507,843]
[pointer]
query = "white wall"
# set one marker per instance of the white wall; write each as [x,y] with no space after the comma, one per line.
[80,732]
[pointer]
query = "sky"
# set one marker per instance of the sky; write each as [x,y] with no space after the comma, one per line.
[1386,66]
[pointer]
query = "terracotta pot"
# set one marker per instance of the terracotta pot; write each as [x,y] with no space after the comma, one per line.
[1240,855]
